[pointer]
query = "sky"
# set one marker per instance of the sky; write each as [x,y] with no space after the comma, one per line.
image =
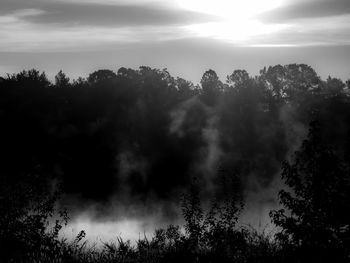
[185,36]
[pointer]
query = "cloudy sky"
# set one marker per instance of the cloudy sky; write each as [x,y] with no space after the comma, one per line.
[185,36]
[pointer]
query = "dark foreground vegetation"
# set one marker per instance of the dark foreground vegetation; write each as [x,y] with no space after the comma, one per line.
[73,139]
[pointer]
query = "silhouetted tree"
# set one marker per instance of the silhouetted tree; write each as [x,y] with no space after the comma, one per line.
[185,88]
[26,209]
[144,130]
[211,87]
[239,78]
[102,76]
[193,214]
[61,80]
[220,232]
[289,82]
[29,79]
[333,87]
[316,222]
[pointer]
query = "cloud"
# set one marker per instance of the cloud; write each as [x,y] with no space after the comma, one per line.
[109,16]
[289,24]
[317,31]
[16,4]
[50,26]
[62,26]
[19,33]
[91,13]
[307,9]
[112,2]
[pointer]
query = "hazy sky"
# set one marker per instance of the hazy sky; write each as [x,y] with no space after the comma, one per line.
[185,36]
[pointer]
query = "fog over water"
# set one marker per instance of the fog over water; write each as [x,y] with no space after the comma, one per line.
[139,205]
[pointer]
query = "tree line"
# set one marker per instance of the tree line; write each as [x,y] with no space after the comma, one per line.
[148,132]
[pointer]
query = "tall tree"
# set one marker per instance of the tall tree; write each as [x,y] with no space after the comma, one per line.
[102,76]
[317,220]
[61,80]
[211,87]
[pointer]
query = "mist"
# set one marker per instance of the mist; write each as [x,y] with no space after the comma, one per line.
[125,145]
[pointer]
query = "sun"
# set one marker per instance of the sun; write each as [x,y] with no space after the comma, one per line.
[230,8]
[234,20]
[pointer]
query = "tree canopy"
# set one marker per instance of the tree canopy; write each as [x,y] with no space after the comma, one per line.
[317,218]
[136,135]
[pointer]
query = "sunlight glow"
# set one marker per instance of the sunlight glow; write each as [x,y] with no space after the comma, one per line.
[238,21]
[233,32]
[230,9]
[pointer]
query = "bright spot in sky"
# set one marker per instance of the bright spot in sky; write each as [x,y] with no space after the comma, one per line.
[237,19]
[233,32]
[230,9]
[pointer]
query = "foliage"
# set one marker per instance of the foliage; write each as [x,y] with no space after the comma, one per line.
[211,87]
[147,131]
[26,223]
[318,222]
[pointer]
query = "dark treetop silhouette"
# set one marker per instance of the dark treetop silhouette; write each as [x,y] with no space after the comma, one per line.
[140,137]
